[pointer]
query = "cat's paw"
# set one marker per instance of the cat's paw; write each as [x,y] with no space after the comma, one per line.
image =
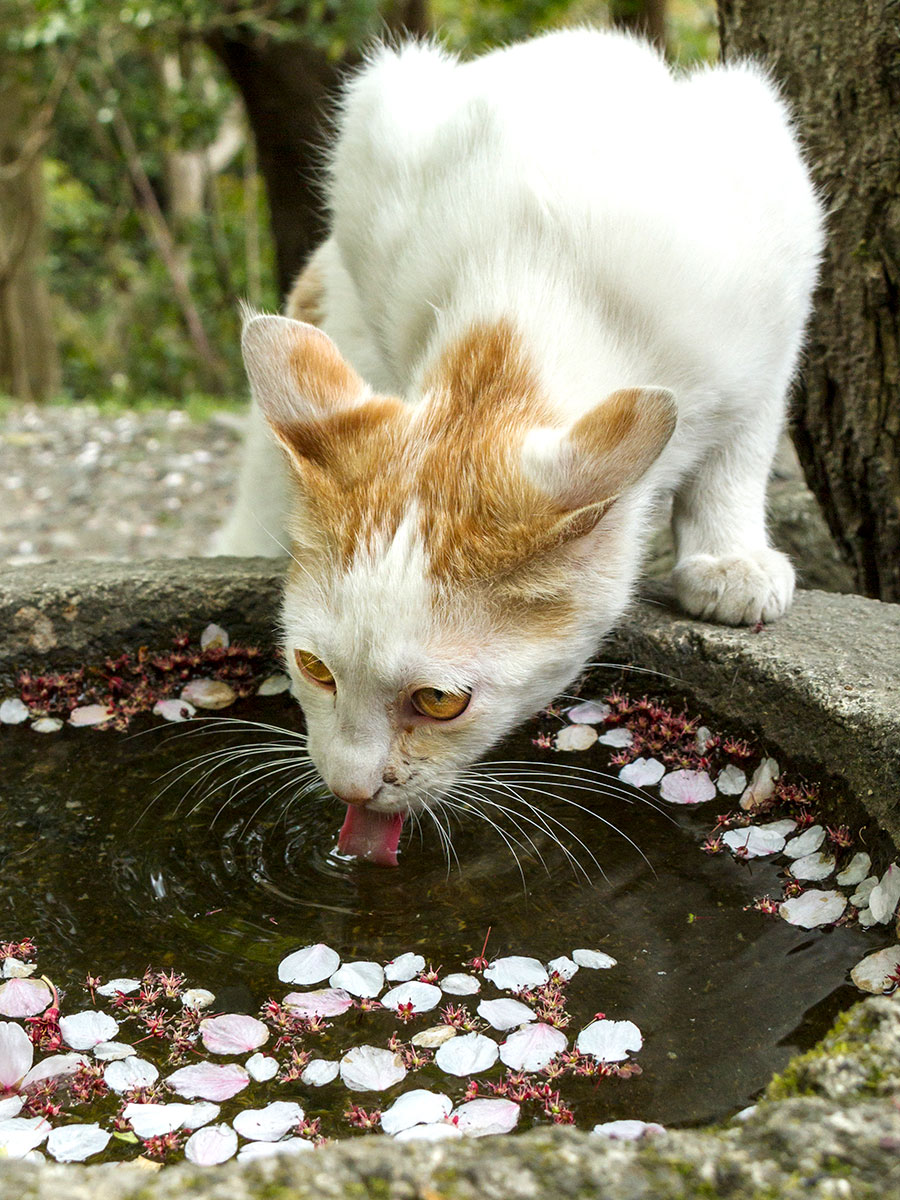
[735,589]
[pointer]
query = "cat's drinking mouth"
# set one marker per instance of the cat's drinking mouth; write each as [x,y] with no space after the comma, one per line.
[373,836]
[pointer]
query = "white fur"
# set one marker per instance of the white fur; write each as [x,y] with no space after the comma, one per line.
[638,228]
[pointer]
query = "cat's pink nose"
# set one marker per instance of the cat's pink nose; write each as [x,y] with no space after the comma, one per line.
[358,797]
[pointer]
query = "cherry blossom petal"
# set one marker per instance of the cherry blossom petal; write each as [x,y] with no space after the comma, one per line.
[364,979]
[687,787]
[620,737]
[404,967]
[418,1107]
[430,1039]
[255,1150]
[212,1145]
[575,737]
[589,712]
[319,1071]
[312,964]
[481,1118]
[233,1033]
[127,1073]
[643,772]
[16,1053]
[805,843]
[813,908]
[861,896]
[885,896]
[505,1013]
[24,997]
[627,1131]
[761,786]
[609,1041]
[515,973]
[565,968]
[151,1120]
[270,1123]
[731,781]
[274,685]
[371,1069]
[54,1067]
[874,973]
[125,986]
[19,1135]
[460,985]
[11,1107]
[209,693]
[85,1030]
[533,1047]
[593,960]
[753,841]
[443,1131]
[208,1081]
[813,866]
[174,710]
[326,1002]
[422,996]
[856,870]
[261,1067]
[197,998]
[214,637]
[90,714]
[47,725]
[14,968]
[13,711]
[113,1051]
[75,1143]
[467,1054]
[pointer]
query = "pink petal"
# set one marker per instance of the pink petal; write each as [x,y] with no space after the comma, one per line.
[24,997]
[233,1033]
[214,1144]
[90,714]
[467,1055]
[312,964]
[124,1074]
[208,1081]
[270,1123]
[479,1118]
[16,1053]
[533,1047]
[85,1030]
[326,1002]
[404,967]
[54,1067]
[19,1135]
[418,1107]
[371,1069]
[687,787]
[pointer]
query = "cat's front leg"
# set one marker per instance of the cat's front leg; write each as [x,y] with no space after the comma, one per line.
[725,569]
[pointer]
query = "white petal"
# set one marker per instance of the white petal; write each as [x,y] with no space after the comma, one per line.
[576,737]
[419,1107]
[430,1039]
[214,637]
[371,1069]
[75,1143]
[590,712]
[47,725]
[761,786]
[324,1002]
[54,1067]
[233,1033]
[270,1123]
[151,1120]
[319,1071]
[643,772]
[11,1107]
[422,996]
[13,712]
[208,693]
[564,967]
[628,1131]
[609,1041]
[595,960]
[84,1030]
[806,842]
[480,1118]
[467,1054]
[24,997]
[174,710]
[861,896]
[214,1144]
[813,866]
[113,1051]
[885,895]
[255,1150]
[365,979]
[871,975]
[731,780]
[197,998]
[19,1135]
[516,972]
[687,787]
[443,1131]
[785,826]
[404,967]
[505,1013]
[208,1081]
[273,685]
[16,1053]
[754,840]
[312,964]
[460,985]
[813,908]
[865,918]
[533,1047]
[90,714]
[619,737]
[14,968]
[125,986]
[261,1067]
[128,1073]
[856,869]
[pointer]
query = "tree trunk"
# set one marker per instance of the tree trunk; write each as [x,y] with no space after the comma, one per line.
[287,87]
[29,369]
[838,62]
[644,17]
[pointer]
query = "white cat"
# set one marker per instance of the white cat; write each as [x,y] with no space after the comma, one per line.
[569,283]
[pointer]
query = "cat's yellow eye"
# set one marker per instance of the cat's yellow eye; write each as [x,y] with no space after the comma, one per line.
[313,668]
[442,706]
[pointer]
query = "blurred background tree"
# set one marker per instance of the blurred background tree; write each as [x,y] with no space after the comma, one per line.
[159,162]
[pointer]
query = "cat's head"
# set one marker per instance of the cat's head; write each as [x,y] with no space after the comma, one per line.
[455,557]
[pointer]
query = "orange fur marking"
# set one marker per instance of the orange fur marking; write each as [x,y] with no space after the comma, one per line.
[305,301]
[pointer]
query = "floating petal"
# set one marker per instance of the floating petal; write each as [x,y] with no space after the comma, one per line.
[444,1131]
[47,725]
[753,841]
[208,1081]
[371,1069]
[467,1054]
[805,843]
[270,1123]
[274,685]
[419,1107]
[813,866]
[430,1039]
[197,998]
[214,637]
[422,996]
[75,1143]
[14,968]
[505,1013]
[261,1067]
[576,737]
[151,1120]
[480,1118]
[20,1135]
[90,714]
[54,1067]
[874,973]
[11,1107]
[813,908]
[861,896]
[589,712]
[731,781]
[364,979]
[13,712]
[687,787]
[594,960]
[620,737]
[319,1071]
[627,1131]
[326,1002]
[233,1033]
[643,772]
[16,1054]
[24,997]
[761,786]
[533,1047]
[885,896]
[460,985]
[174,710]
[127,1073]
[515,973]
[254,1150]
[214,1144]
[312,964]
[404,967]
[609,1041]
[564,967]
[856,870]
[113,1051]
[209,693]
[125,986]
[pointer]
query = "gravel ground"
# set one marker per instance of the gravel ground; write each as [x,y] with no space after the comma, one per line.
[75,483]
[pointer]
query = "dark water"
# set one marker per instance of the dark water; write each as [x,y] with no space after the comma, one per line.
[108,881]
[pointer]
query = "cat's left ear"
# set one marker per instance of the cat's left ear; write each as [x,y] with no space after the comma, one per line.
[608,450]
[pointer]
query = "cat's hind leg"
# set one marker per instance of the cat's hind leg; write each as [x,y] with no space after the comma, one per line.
[725,569]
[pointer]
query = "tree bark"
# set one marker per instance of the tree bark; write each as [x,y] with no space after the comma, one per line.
[644,17]
[287,87]
[839,66]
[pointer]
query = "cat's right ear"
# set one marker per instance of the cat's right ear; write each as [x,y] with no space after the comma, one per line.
[297,375]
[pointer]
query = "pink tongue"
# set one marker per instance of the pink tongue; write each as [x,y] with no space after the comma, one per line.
[373,836]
